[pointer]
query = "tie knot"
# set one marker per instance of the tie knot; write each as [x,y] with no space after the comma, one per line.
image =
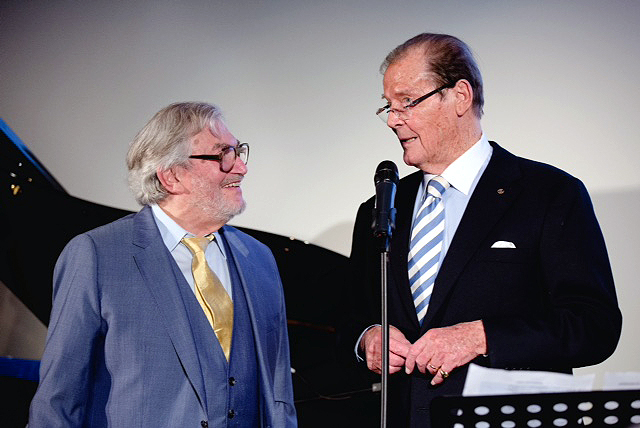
[437,186]
[197,245]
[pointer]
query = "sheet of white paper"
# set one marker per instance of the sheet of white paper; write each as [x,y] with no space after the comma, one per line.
[621,380]
[484,381]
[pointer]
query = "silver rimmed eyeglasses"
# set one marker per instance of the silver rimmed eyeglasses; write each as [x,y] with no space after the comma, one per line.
[228,156]
[404,113]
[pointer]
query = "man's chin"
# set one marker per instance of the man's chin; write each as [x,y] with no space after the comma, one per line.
[241,208]
[408,160]
[224,213]
[235,210]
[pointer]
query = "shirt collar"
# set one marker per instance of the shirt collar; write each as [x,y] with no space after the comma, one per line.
[171,232]
[463,171]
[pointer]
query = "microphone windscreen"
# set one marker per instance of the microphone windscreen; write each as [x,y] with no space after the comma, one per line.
[386,171]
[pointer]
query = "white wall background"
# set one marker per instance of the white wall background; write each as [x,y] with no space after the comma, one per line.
[299,80]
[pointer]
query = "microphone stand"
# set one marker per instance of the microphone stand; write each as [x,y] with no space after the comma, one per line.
[384,215]
[384,264]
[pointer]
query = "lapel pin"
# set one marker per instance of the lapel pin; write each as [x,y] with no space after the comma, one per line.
[500,191]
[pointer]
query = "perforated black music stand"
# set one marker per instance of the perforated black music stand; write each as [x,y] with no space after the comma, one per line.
[570,409]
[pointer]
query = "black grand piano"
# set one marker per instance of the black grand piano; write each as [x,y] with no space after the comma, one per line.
[34,207]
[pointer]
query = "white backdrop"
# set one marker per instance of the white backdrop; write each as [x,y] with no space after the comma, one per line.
[299,81]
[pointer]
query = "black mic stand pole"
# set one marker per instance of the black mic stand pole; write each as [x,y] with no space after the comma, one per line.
[384,264]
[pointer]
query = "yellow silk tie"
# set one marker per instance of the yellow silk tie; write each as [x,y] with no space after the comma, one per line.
[210,292]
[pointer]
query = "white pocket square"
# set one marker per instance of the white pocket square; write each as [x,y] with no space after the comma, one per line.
[503,244]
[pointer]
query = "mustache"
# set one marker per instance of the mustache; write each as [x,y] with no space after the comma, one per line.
[232,178]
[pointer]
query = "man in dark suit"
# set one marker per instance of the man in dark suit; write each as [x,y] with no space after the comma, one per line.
[169,317]
[495,259]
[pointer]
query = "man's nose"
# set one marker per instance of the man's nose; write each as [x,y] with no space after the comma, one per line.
[239,167]
[394,119]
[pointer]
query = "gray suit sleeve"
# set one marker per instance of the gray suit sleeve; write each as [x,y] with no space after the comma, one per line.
[74,329]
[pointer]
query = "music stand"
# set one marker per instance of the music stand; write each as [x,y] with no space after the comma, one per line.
[568,409]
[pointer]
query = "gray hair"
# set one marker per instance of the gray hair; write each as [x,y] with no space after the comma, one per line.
[448,59]
[164,143]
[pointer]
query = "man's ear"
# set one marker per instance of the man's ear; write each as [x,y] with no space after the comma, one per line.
[170,180]
[464,96]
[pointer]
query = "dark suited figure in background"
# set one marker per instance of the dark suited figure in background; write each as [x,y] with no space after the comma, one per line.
[169,317]
[495,259]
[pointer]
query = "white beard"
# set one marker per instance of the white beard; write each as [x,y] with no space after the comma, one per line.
[214,205]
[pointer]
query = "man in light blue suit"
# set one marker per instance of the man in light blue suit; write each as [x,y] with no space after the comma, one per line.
[129,344]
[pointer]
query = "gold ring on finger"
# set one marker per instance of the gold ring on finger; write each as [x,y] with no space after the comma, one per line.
[444,374]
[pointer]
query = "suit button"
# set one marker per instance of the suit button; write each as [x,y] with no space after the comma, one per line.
[204,424]
[232,381]
[231,414]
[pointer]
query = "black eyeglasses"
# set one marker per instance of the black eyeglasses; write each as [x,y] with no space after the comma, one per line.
[228,156]
[405,112]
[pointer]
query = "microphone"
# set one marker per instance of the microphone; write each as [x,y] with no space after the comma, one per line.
[384,213]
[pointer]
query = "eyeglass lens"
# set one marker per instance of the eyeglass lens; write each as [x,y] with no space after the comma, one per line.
[230,154]
[405,112]
[402,113]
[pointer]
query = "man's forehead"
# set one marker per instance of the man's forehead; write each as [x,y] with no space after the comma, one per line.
[405,84]
[411,65]
[209,138]
[226,138]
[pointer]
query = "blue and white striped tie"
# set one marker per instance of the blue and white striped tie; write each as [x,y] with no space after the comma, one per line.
[425,245]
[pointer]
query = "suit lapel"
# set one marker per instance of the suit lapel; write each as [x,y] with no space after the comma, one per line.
[495,192]
[155,264]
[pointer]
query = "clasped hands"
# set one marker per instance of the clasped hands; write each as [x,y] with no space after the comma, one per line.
[439,351]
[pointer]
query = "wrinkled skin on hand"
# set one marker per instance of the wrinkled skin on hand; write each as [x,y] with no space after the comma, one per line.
[439,351]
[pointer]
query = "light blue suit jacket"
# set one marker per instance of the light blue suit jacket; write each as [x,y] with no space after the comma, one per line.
[120,350]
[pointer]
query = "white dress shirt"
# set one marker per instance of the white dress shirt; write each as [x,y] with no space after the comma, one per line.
[172,234]
[463,175]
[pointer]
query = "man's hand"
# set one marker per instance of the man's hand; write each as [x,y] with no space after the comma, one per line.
[371,343]
[441,350]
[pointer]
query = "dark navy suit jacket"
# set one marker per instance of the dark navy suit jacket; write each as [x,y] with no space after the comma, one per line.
[548,304]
